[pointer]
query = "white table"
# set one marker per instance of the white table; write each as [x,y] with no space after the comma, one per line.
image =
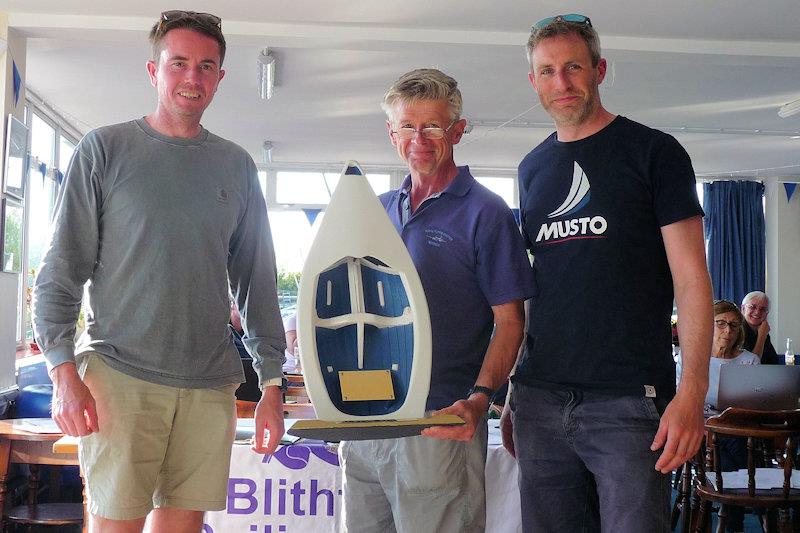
[298,490]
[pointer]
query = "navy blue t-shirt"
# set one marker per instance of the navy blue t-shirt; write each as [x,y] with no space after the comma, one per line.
[592,212]
[469,254]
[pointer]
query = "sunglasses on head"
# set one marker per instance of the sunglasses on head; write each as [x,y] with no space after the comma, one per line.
[175,15]
[574,18]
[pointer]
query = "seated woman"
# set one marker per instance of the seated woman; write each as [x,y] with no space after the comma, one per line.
[727,349]
[727,345]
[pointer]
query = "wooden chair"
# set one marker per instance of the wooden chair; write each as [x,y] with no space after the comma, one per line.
[760,429]
[682,507]
[35,514]
[296,388]
[296,401]
[245,409]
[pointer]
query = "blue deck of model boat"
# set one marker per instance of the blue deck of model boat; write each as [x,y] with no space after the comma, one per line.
[383,347]
[394,294]
[340,292]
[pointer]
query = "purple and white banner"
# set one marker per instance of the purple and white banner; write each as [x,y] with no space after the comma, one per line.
[299,490]
[296,490]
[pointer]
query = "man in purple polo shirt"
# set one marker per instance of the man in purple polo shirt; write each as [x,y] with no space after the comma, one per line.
[476,274]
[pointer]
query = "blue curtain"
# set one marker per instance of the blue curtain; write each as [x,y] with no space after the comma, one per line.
[734,229]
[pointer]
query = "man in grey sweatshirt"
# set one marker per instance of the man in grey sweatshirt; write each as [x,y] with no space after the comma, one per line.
[162,219]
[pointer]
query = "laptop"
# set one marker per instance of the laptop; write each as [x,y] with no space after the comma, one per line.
[761,387]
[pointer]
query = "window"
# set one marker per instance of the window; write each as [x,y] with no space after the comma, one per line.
[43,140]
[292,234]
[380,183]
[41,198]
[316,188]
[65,151]
[503,187]
[297,200]
[52,147]
[305,188]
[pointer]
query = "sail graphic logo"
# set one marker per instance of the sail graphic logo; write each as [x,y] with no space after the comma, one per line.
[586,227]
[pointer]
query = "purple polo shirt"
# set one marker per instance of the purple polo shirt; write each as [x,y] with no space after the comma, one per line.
[470,256]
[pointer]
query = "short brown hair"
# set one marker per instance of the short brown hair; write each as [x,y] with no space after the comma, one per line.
[562,27]
[190,20]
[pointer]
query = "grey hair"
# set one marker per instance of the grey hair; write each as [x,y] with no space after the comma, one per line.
[562,27]
[424,84]
[755,295]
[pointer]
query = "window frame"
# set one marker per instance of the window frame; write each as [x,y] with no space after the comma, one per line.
[61,129]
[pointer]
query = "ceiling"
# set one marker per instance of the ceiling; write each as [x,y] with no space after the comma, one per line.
[713,72]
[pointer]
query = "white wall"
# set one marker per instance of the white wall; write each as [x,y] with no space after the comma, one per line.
[783,263]
[9,283]
[8,328]
[16,52]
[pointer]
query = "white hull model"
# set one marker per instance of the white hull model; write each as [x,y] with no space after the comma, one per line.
[362,317]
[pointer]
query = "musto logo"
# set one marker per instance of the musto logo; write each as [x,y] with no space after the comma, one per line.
[591,227]
[576,228]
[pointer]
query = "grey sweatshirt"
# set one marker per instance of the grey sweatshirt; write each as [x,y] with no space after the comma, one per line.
[159,227]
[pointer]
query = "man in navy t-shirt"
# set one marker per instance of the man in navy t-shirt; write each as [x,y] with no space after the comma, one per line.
[610,214]
[472,263]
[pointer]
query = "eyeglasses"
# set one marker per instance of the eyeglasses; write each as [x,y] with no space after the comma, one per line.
[174,15]
[431,133]
[754,307]
[574,18]
[722,324]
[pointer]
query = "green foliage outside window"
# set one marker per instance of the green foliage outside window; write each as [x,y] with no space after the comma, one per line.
[288,282]
[12,247]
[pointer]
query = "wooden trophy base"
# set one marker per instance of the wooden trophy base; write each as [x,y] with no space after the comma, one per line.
[368,429]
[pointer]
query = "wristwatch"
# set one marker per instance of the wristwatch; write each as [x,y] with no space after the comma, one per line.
[483,390]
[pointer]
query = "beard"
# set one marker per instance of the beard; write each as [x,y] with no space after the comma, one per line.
[574,115]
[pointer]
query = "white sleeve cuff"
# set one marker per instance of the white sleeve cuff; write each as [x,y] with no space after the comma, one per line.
[273,382]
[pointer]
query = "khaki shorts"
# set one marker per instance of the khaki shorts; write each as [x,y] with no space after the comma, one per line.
[158,446]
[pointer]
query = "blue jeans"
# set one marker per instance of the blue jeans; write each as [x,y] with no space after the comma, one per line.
[585,463]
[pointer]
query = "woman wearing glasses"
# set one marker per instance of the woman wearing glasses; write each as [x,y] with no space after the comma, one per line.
[726,348]
[755,309]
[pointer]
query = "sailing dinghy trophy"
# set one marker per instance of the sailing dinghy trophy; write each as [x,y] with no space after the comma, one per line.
[363,325]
